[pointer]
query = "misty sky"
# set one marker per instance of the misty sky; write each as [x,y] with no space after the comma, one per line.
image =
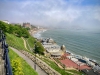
[55,13]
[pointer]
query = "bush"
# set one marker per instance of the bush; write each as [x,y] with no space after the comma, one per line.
[17,67]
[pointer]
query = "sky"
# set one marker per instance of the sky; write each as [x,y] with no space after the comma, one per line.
[53,13]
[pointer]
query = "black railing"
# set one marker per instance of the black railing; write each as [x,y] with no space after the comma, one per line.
[5,50]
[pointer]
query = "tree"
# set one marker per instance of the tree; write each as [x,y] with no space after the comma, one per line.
[16,29]
[39,48]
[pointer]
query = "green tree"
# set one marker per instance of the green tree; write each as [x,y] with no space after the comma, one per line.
[39,48]
[14,29]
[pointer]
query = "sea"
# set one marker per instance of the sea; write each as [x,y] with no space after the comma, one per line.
[80,42]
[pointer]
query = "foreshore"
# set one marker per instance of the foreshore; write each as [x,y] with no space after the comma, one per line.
[35,31]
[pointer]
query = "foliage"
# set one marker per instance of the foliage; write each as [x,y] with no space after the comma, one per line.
[26,69]
[14,29]
[17,67]
[39,48]
[28,28]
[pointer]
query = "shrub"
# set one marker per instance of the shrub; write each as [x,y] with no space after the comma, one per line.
[17,67]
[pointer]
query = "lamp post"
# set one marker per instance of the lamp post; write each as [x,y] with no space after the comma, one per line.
[35,55]
[35,47]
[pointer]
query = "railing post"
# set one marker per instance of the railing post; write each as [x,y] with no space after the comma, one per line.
[5,56]
[7,61]
[3,40]
[4,47]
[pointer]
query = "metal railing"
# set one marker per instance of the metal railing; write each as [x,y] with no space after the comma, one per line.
[5,57]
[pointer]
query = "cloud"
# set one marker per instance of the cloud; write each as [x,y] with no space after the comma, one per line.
[51,12]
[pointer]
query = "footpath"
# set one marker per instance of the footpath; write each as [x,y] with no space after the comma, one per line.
[30,62]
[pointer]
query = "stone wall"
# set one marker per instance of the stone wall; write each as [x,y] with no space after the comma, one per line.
[42,64]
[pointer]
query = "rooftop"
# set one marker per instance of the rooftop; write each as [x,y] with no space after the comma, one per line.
[69,63]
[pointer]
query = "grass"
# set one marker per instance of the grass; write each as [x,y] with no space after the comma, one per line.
[27,45]
[15,42]
[27,70]
[31,41]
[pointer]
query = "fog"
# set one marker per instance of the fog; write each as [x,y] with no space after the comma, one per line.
[74,14]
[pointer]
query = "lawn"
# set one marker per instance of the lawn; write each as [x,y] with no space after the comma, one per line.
[27,70]
[31,41]
[15,42]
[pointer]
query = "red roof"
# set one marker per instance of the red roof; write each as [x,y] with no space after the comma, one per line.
[69,63]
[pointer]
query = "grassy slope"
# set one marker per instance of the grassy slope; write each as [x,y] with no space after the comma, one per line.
[27,70]
[18,43]
[31,41]
[15,42]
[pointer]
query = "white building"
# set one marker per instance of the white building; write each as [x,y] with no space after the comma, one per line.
[52,48]
[6,21]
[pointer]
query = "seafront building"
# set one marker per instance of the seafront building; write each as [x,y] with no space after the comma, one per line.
[52,49]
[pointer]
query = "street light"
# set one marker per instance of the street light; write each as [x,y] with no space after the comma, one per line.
[35,47]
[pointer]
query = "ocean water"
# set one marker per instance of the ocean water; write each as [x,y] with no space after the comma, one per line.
[79,42]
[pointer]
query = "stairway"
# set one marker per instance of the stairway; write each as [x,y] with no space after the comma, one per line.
[2,71]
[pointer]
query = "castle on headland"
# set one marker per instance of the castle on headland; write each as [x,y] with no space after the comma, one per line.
[27,25]
[52,49]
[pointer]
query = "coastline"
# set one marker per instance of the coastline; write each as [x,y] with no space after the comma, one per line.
[68,51]
[37,33]
[78,62]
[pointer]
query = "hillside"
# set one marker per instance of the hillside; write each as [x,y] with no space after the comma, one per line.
[19,38]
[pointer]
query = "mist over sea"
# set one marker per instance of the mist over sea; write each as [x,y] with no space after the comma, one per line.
[80,42]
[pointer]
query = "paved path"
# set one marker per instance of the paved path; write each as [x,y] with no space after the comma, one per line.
[30,62]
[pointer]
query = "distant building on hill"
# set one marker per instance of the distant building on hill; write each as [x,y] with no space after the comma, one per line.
[6,21]
[27,25]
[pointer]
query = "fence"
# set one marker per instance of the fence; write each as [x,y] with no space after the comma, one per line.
[5,57]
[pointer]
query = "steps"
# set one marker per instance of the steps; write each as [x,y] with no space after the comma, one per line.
[2,71]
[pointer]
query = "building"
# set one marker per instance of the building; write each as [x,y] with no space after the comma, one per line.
[26,25]
[6,21]
[90,72]
[52,49]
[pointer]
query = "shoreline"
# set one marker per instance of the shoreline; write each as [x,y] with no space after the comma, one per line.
[78,60]
[67,51]
[37,33]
